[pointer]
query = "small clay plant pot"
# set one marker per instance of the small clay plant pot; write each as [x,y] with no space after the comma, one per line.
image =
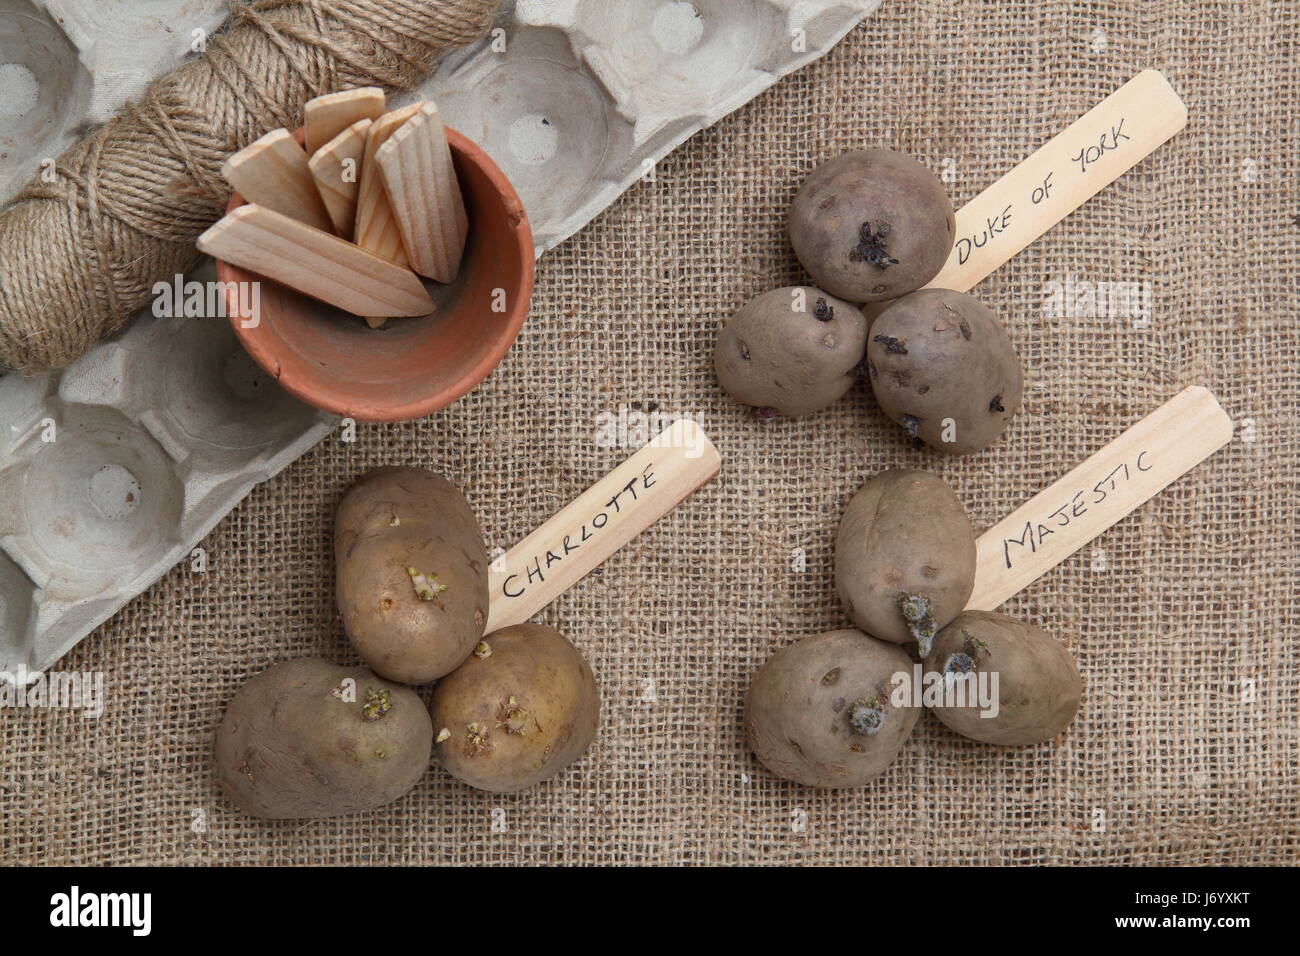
[410,367]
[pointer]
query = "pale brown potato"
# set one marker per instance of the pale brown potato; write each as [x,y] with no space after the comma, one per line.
[1038,680]
[522,708]
[791,351]
[819,711]
[942,366]
[307,738]
[872,225]
[904,557]
[412,573]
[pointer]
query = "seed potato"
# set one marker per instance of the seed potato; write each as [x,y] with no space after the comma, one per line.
[1038,679]
[819,711]
[872,225]
[307,738]
[412,573]
[904,557]
[936,355]
[793,350]
[522,708]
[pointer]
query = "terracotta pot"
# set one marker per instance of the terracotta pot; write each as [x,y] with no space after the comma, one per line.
[412,366]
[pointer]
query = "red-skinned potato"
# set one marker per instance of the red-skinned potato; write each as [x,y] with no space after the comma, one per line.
[307,739]
[819,711]
[522,708]
[412,573]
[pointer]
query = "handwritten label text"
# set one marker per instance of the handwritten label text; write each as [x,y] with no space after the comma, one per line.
[1035,532]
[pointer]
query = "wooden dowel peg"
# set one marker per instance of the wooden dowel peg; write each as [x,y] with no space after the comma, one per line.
[272,172]
[315,263]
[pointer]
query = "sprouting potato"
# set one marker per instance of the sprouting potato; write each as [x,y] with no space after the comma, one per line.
[522,708]
[791,351]
[412,573]
[820,713]
[904,557]
[1038,680]
[872,225]
[307,738]
[942,366]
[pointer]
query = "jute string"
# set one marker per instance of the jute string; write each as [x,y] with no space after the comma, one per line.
[79,253]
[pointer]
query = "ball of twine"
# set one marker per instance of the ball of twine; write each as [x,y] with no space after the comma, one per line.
[79,254]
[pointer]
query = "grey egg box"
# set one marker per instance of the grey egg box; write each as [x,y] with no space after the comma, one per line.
[113,470]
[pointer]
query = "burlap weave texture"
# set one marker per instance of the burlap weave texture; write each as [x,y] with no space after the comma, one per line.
[1185,750]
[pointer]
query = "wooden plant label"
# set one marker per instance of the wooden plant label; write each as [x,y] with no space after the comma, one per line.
[608,515]
[420,181]
[273,173]
[376,227]
[1063,174]
[336,167]
[1109,485]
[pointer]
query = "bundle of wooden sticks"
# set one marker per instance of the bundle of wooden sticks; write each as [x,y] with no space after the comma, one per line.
[354,211]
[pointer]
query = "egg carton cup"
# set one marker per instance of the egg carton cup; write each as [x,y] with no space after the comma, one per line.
[113,470]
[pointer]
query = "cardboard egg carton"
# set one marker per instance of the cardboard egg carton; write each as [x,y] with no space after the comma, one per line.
[67,65]
[587,95]
[112,471]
